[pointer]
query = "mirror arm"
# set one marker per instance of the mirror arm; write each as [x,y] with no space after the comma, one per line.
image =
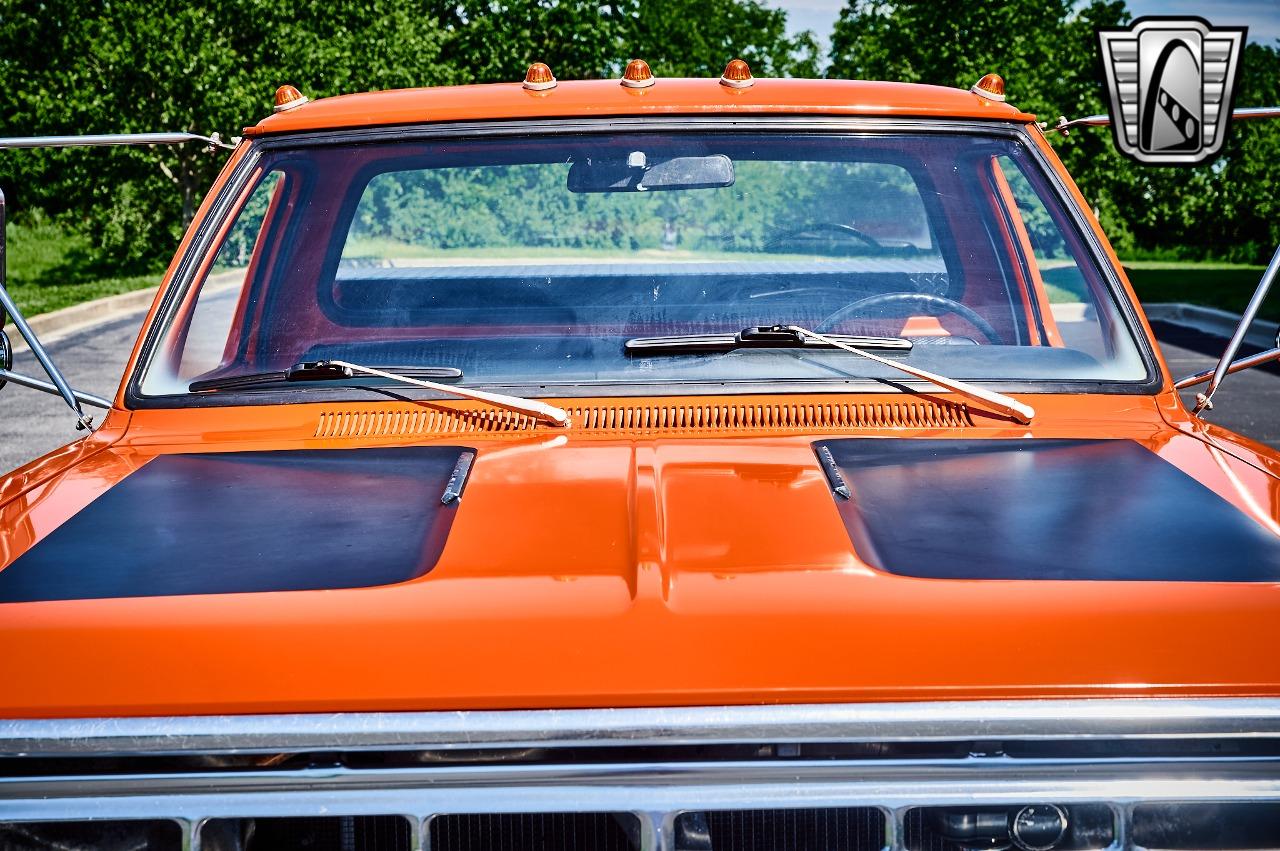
[1244,363]
[1204,400]
[45,387]
[1064,126]
[7,305]
[213,141]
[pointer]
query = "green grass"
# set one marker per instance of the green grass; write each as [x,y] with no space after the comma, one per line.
[49,269]
[1222,285]
[380,248]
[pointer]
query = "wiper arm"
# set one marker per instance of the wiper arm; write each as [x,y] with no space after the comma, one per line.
[311,371]
[337,370]
[540,410]
[1006,405]
[760,337]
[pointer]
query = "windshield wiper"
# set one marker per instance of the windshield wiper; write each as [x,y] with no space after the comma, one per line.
[337,370]
[759,337]
[793,337]
[1006,405]
[312,371]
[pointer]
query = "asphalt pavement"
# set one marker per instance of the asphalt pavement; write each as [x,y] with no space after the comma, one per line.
[33,423]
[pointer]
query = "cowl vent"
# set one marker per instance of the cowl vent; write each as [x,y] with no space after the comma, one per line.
[651,418]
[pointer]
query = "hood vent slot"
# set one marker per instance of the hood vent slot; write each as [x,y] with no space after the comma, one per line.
[651,418]
[413,422]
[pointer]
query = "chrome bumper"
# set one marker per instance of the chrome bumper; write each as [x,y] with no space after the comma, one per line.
[1121,753]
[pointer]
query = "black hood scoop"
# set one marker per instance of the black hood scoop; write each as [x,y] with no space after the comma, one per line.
[222,523]
[1041,509]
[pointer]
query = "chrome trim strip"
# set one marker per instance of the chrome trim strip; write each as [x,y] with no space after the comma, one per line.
[991,771]
[1119,718]
[649,789]
[638,123]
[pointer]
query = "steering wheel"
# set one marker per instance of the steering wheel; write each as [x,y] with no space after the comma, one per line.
[842,230]
[936,304]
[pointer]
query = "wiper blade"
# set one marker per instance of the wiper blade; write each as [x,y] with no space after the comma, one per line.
[312,371]
[759,337]
[1006,405]
[337,370]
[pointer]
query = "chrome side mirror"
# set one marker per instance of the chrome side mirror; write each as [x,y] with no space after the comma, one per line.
[1227,364]
[6,351]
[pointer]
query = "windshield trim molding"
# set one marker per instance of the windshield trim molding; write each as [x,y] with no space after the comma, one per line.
[227,204]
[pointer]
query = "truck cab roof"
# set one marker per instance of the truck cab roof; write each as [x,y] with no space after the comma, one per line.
[596,98]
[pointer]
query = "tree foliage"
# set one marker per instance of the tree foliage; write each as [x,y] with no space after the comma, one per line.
[120,66]
[111,66]
[1047,52]
[84,66]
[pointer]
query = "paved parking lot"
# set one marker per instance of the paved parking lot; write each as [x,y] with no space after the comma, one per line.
[32,423]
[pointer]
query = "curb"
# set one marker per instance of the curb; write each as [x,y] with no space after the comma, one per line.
[1209,320]
[54,325]
[78,317]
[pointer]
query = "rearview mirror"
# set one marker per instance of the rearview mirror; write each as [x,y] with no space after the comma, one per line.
[639,174]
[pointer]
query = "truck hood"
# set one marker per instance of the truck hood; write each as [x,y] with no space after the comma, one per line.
[154,581]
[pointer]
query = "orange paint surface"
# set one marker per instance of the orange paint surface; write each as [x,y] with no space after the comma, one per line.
[610,569]
[596,98]
[635,566]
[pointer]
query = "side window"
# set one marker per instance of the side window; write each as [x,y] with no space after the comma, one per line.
[1073,318]
[210,334]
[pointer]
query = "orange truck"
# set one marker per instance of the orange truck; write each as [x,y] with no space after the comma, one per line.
[623,465]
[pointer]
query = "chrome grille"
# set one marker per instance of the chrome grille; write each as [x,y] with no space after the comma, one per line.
[1128,773]
[152,835]
[1185,826]
[835,829]
[336,833]
[1088,827]
[535,832]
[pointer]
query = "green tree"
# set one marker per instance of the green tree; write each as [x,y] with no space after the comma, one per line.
[1228,207]
[696,38]
[144,65]
[109,66]
[1047,52]
[1044,49]
[496,40]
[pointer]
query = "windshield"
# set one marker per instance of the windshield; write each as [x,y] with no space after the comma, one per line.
[531,262]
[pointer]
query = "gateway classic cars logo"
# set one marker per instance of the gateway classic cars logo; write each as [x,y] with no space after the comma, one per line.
[1171,83]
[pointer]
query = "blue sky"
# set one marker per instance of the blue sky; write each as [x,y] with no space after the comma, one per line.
[1262,17]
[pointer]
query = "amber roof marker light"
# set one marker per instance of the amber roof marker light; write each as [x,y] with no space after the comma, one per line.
[539,77]
[991,87]
[637,75]
[737,75]
[287,97]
